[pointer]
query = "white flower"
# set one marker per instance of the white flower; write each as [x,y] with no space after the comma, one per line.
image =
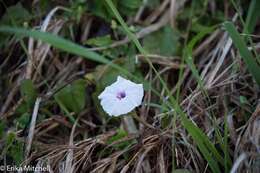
[121,97]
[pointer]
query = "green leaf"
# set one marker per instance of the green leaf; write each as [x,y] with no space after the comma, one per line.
[163,42]
[15,15]
[117,137]
[72,97]
[243,100]
[105,75]
[100,9]
[246,55]
[16,152]
[10,138]
[77,10]
[29,92]
[109,76]
[13,148]
[100,41]
[252,16]
[23,120]
[132,4]
[129,7]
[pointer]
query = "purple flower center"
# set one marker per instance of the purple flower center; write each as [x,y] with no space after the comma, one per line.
[120,95]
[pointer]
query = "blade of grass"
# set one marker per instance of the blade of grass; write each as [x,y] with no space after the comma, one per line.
[252,16]
[58,42]
[245,27]
[250,23]
[202,145]
[189,59]
[246,55]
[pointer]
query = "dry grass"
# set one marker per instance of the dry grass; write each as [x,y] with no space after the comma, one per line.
[86,146]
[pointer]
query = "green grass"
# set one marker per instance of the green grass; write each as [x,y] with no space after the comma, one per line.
[246,55]
[252,16]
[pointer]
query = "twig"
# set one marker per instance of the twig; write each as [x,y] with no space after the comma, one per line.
[32,126]
[237,163]
[129,124]
[9,99]
[173,12]
[69,159]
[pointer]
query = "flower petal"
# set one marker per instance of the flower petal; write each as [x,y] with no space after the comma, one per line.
[115,106]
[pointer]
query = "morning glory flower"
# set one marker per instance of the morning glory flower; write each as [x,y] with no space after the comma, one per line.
[121,97]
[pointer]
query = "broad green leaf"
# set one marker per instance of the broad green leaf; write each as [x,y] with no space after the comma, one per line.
[72,97]
[243,100]
[13,148]
[16,152]
[29,92]
[246,55]
[129,7]
[163,42]
[15,15]
[117,137]
[10,138]
[100,9]
[106,75]
[23,120]
[100,41]
[77,10]
[132,4]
